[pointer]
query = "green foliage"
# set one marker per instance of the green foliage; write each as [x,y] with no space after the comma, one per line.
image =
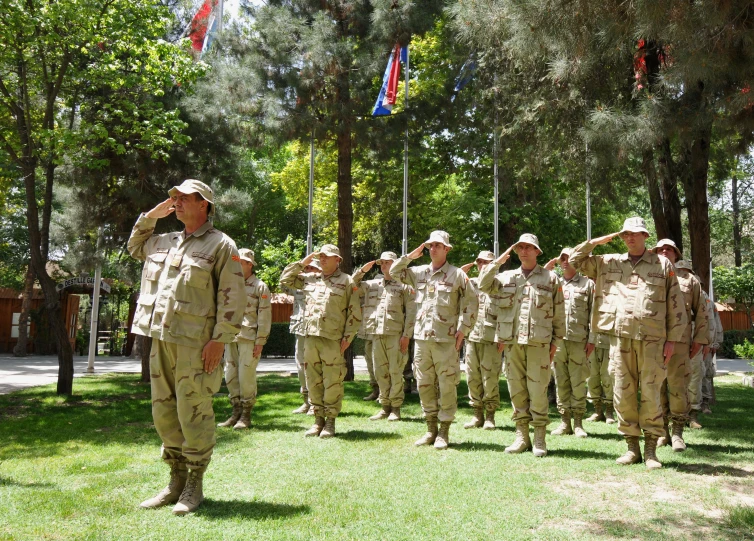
[281,343]
[275,257]
[736,282]
[732,339]
[744,350]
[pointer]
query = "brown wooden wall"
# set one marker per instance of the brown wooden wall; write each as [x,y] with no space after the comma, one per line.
[9,306]
[281,312]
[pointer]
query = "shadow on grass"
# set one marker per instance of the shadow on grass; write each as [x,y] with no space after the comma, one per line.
[477,446]
[713,470]
[5,482]
[251,510]
[363,435]
[688,526]
[598,436]
[581,454]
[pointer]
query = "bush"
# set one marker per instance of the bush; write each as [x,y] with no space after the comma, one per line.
[732,339]
[745,350]
[281,343]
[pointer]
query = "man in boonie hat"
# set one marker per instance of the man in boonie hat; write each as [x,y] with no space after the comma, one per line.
[483,360]
[191,303]
[686,362]
[446,307]
[639,304]
[331,321]
[530,323]
[243,354]
[389,312]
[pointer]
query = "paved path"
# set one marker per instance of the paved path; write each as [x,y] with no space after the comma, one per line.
[21,372]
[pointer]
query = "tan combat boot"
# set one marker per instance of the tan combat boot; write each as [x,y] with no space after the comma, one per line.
[597,416]
[679,445]
[705,407]
[172,492]
[374,395]
[395,414]
[319,424]
[609,414]
[303,408]
[234,416]
[650,452]
[311,410]
[694,420]
[192,495]
[443,438]
[633,454]
[664,440]
[522,441]
[244,421]
[540,447]
[329,430]
[489,420]
[578,429]
[477,420]
[431,435]
[384,413]
[564,428]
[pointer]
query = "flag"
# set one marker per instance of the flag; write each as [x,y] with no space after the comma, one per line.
[389,90]
[203,26]
[468,70]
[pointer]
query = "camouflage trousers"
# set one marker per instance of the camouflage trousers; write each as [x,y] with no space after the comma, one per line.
[674,394]
[369,360]
[438,373]
[300,367]
[600,383]
[528,374]
[325,372]
[483,367]
[708,372]
[695,381]
[634,365]
[408,370]
[182,402]
[241,372]
[571,369]
[389,363]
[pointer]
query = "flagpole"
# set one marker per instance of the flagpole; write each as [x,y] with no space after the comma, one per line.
[309,239]
[495,144]
[405,166]
[220,13]
[588,195]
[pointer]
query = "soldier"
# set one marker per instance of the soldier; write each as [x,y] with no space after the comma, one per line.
[297,328]
[483,360]
[389,313]
[600,382]
[696,369]
[446,308]
[710,370]
[191,303]
[530,324]
[243,354]
[571,366]
[333,316]
[639,303]
[374,393]
[674,392]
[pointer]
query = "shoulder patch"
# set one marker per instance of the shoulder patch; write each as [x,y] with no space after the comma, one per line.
[236,258]
[264,296]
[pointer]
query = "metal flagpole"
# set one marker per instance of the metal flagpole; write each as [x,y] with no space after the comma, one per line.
[94,319]
[309,239]
[220,13]
[588,196]
[496,246]
[405,168]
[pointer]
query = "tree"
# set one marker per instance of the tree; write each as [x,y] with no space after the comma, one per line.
[738,283]
[77,79]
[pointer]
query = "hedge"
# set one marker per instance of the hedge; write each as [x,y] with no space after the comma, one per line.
[733,338]
[282,343]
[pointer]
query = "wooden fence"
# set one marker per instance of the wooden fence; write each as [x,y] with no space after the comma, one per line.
[734,320]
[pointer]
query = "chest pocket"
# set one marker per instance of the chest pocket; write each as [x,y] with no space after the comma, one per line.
[421,292]
[198,273]
[507,295]
[154,266]
[654,297]
[444,294]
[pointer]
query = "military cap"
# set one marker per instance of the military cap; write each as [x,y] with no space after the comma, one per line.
[190,186]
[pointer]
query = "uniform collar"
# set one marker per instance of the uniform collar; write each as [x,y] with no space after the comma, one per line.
[536,270]
[647,256]
[576,277]
[337,273]
[444,269]
[250,280]
[206,226]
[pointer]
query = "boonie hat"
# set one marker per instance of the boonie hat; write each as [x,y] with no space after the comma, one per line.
[247,255]
[667,242]
[386,256]
[634,225]
[330,249]
[190,186]
[486,255]
[439,236]
[528,238]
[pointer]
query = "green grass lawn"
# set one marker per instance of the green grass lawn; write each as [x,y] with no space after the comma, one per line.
[78,468]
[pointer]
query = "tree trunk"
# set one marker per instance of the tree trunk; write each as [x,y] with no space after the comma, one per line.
[142,348]
[670,199]
[20,350]
[655,197]
[736,221]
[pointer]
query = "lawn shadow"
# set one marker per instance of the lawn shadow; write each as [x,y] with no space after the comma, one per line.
[598,436]
[252,510]
[581,454]
[5,482]
[477,446]
[712,469]
[721,448]
[652,529]
[363,435]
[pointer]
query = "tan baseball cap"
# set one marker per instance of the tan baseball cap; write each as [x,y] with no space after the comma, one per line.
[486,255]
[634,225]
[439,236]
[386,256]
[190,186]
[247,255]
[329,249]
[566,251]
[667,242]
[528,238]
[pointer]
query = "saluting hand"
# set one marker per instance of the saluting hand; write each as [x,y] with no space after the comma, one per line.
[417,253]
[550,265]
[165,208]
[308,259]
[505,256]
[367,267]
[467,267]
[604,240]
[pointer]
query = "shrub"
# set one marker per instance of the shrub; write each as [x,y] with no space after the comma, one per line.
[745,350]
[281,343]
[734,338]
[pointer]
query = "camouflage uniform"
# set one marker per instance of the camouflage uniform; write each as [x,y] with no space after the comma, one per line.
[710,370]
[332,314]
[296,328]
[600,382]
[191,293]
[696,368]
[571,367]
[389,313]
[368,359]
[240,363]
[445,304]
[640,307]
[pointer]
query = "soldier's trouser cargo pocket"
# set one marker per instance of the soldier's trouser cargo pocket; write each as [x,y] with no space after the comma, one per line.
[325,372]
[182,402]
[438,373]
[241,371]
[528,374]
